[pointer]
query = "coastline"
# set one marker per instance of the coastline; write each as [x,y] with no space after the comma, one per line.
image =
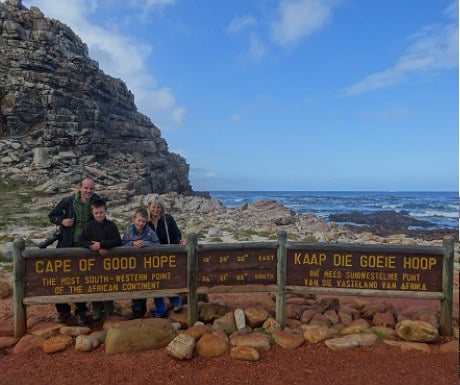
[427,209]
[212,221]
[216,223]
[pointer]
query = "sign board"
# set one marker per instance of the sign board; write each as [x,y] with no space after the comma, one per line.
[237,266]
[383,270]
[94,273]
[361,269]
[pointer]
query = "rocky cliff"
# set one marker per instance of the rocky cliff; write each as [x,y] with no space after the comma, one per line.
[62,118]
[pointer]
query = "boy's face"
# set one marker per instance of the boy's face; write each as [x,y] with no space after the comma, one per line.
[139,222]
[98,213]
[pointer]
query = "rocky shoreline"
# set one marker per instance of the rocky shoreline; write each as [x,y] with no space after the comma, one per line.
[244,330]
[213,222]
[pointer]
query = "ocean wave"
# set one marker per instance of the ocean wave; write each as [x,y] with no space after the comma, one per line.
[439,208]
[434,214]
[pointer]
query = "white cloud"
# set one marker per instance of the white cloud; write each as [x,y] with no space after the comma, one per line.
[179,152]
[293,20]
[117,55]
[235,118]
[257,49]
[433,48]
[162,99]
[300,18]
[162,105]
[154,3]
[178,115]
[241,23]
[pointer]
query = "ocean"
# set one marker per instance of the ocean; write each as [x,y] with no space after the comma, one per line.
[439,208]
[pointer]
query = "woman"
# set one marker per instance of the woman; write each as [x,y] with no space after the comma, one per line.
[168,233]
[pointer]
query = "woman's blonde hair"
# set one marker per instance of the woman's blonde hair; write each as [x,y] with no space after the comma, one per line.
[157,200]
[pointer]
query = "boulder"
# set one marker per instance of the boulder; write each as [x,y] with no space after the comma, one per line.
[181,347]
[139,334]
[259,341]
[255,316]
[57,343]
[316,334]
[85,343]
[28,343]
[212,345]
[245,353]
[416,331]
[287,339]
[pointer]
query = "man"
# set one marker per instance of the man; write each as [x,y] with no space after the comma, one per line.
[71,214]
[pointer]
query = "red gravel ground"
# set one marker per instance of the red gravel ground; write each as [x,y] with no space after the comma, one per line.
[379,364]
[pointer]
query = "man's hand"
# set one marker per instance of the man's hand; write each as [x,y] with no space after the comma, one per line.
[68,222]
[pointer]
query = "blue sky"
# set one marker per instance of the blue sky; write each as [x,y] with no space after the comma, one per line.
[288,94]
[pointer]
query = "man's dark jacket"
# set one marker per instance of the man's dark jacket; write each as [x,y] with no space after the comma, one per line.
[65,209]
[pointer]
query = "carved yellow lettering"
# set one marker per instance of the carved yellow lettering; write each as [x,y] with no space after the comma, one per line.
[377,261]
[342,260]
[416,263]
[39,266]
[53,266]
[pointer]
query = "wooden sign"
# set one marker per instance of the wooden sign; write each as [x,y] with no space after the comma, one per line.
[364,268]
[94,273]
[73,274]
[237,266]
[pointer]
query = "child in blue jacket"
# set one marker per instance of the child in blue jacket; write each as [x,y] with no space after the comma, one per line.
[139,235]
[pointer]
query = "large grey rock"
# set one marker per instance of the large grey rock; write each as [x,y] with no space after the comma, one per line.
[85,343]
[71,117]
[240,319]
[225,323]
[181,347]
[139,334]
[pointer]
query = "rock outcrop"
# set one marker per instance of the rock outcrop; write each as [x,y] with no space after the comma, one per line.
[62,118]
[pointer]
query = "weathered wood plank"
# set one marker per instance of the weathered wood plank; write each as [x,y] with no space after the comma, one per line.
[20,315]
[445,317]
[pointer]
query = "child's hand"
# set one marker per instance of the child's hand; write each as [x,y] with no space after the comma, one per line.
[103,251]
[137,244]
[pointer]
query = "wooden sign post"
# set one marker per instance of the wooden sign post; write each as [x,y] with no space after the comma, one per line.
[79,275]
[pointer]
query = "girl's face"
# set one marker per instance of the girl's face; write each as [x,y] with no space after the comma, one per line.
[155,210]
[139,222]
